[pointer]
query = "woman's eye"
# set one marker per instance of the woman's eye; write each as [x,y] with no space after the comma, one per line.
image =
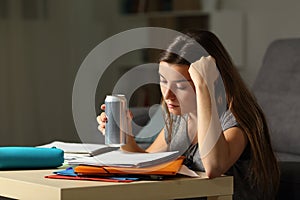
[181,86]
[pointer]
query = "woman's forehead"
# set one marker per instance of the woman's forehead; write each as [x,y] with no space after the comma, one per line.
[174,72]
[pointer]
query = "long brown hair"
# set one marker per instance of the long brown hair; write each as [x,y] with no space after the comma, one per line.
[264,169]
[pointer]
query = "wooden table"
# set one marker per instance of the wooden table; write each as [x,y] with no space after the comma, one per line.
[31,185]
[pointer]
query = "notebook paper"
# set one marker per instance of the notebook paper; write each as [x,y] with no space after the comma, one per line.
[125,159]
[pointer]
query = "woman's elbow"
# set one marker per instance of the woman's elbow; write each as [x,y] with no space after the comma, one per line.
[215,166]
[213,172]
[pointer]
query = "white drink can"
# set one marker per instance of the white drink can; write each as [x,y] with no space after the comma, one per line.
[116,126]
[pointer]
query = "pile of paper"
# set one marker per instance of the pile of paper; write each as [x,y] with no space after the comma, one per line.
[120,158]
[103,155]
[99,159]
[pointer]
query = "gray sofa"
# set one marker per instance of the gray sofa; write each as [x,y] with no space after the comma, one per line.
[277,89]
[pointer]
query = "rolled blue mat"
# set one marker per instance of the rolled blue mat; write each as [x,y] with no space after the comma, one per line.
[30,157]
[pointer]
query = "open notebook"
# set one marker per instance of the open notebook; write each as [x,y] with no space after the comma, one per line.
[103,155]
[80,148]
[119,158]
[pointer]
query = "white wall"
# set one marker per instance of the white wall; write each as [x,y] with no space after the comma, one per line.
[265,21]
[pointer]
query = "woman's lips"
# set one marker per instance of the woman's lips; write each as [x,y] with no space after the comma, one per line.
[172,106]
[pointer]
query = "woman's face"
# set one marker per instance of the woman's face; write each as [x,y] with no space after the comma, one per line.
[177,88]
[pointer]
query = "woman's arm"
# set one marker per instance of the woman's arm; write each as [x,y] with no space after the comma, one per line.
[219,150]
[159,144]
[131,145]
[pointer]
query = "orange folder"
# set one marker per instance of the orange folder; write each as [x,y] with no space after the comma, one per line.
[168,168]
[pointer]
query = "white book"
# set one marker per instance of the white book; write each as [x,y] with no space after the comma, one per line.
[120,158]
[80,148]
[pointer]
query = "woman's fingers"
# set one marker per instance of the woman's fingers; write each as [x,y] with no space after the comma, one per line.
[204,71]
[98,119]
[102,122]
[102,107]
[102,119]
[101,128]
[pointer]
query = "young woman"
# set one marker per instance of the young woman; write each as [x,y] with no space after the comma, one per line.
[234,142]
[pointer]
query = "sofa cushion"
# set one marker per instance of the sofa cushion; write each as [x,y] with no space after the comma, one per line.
[287,157]
[277,89]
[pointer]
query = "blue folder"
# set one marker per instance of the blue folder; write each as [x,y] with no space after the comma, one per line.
[30,157]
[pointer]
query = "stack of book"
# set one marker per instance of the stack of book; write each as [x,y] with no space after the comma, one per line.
[98,160]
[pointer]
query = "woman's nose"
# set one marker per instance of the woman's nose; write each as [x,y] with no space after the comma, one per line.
[169,94]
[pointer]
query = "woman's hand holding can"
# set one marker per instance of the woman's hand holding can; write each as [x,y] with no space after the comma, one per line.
[102,119]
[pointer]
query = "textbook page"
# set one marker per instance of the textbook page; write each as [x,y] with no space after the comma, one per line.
[127,159]
[80,148]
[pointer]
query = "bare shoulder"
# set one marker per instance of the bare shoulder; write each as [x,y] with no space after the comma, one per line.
[237,140]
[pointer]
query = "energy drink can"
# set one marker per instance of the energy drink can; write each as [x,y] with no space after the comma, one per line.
[116,125]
